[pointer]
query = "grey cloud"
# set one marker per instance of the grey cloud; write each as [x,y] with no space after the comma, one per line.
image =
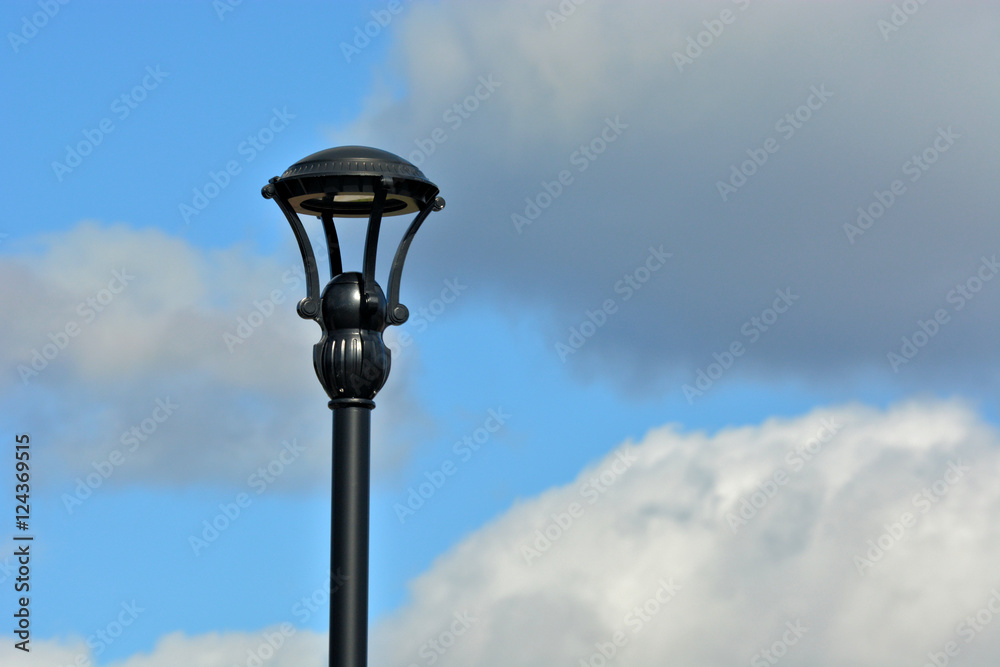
[877,103]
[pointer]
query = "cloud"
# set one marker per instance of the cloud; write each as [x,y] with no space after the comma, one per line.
[847,109]
[853,535]
[189,363]
[847,535]
[278,646]
[42,652]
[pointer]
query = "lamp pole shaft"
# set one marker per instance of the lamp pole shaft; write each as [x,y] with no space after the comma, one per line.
[349,535]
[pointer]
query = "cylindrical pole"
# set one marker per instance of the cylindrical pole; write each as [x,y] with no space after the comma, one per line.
[349,535]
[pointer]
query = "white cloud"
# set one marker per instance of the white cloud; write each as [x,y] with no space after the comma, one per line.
[648,557]
[41,653]
[281,645]
[277,646]
[668,517]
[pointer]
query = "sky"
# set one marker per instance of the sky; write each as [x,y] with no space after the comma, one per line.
[701,367]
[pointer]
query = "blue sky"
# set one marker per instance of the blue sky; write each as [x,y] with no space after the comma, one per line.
[656,239]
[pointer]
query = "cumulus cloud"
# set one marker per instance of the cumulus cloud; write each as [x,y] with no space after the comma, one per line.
[190,363]
[848,105]
[850,535]
[847,535]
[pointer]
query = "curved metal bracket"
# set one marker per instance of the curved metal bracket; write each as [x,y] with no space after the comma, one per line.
[397,313]
[308,307]
[371,240]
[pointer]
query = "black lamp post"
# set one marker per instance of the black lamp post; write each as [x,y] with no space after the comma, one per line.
[351,359]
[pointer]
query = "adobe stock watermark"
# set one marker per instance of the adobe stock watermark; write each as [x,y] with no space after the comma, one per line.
[898,17]
[923,501]
[927,329]
[364,34]
[627,286]
[636,619]
[915,167]
[967,630]
[435,647]
[592,490]
[786,126]
[259,481]
[103,638]
[121,107]
[89,309]
[131,440]
[752,330]
[748,506]
[268,646]
[319,600]
[272,641]
[779,647]
[8,568]
[400,338]
[437,477]
[248,150]
[30,25]
[422,317]
[714,28]
[223,7]
[563,11]
[454,116]
[581,159]
[247,325]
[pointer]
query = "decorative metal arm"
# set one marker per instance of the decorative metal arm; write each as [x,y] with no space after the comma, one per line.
[308,307]
[371,242]
[397,313]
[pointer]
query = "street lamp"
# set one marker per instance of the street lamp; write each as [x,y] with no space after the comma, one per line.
[351,359]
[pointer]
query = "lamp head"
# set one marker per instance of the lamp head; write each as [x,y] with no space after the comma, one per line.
[342,181]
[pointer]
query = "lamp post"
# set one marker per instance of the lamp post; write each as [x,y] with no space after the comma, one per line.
[351,359]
